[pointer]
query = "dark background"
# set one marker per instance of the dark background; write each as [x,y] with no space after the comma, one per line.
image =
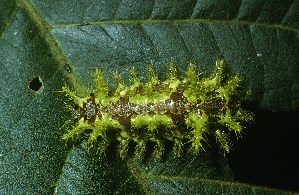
[268,154]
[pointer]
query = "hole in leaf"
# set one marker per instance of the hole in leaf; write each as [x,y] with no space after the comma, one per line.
[36,84]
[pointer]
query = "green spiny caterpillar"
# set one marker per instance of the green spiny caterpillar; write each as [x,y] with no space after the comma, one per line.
[177,109]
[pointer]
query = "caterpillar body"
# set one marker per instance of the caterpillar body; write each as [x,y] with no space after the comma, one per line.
[177,109]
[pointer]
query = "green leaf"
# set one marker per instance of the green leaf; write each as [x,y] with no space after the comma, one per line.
[55,42]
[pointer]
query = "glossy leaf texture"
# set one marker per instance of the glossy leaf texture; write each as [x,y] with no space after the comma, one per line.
[65,41]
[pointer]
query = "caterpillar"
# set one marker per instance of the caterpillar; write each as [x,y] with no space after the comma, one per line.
[178,109]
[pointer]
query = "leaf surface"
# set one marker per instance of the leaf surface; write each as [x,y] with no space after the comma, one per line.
[61,42]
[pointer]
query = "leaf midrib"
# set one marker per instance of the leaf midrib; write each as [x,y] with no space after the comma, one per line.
[180,21]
